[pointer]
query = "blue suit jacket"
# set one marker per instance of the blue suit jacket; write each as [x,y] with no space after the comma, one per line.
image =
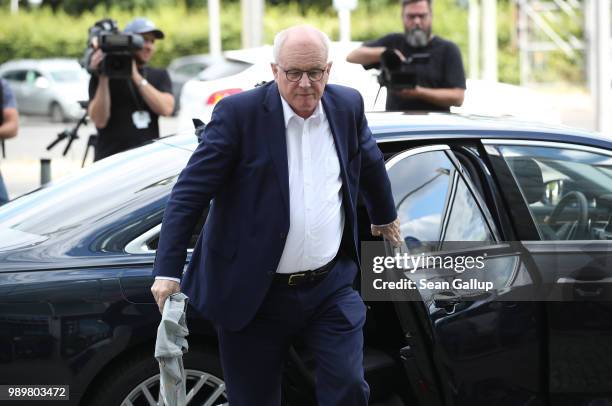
[241,165]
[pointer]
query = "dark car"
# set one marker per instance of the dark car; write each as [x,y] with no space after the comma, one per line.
[76,260]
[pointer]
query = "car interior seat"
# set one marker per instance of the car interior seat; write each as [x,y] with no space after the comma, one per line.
[529,176]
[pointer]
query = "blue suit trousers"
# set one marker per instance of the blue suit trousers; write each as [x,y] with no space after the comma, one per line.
[327,315]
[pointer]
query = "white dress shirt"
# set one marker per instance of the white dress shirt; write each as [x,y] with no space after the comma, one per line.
[316,215]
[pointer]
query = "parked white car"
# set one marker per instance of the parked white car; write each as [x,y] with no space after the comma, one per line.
[50,87]
[203,66]
[199,96]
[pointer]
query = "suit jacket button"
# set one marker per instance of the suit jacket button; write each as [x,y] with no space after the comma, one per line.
[271,273]
[283,235]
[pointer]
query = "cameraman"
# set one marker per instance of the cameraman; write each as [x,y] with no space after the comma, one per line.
[126,111]
[440,81]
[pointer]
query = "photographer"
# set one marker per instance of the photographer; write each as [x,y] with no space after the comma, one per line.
[9,124]
[440,80]
[125,110]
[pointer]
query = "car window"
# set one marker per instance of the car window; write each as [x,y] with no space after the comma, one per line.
[465,222]
[433,201]
[191,69]
[15,75]
[68,76]
[32,75]
[568,189]
[148,242]
[224,69]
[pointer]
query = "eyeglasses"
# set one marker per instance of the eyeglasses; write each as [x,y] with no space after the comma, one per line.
[295,75]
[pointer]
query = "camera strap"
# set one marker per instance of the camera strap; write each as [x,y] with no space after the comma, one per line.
[134,94]
[141,118]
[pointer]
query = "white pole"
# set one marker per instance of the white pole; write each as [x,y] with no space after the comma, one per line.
[474,39]
[489,40]
[590,42]
[214,28]
[602,68]
[252,23]
[14,6]
[344,8]
[523,37]
[344,22]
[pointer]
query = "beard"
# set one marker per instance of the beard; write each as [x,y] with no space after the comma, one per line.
[417,37]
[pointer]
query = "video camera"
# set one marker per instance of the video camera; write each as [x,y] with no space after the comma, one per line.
[398,74]
[117,47]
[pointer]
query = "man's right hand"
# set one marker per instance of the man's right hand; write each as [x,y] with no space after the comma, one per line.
[161,289]
[96,60]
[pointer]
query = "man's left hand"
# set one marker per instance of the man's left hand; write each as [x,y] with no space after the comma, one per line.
[390,232]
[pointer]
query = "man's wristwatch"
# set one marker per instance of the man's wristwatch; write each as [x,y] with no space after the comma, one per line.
[143,82]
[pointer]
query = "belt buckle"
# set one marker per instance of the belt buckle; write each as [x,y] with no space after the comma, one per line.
[295,275]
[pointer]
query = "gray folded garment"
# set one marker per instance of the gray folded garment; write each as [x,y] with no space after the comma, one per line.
[170,346]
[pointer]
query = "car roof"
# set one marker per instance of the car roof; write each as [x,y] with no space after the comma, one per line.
[188,59]
[395,126]
[389,125]
[48,63]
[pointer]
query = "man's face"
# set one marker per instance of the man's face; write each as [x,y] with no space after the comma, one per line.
[417,16]
[304,94]
[145,54]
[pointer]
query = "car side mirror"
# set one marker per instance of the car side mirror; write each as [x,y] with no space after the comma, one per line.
[199,126]
[42,82]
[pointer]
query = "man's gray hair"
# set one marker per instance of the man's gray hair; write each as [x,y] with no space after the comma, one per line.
[281,37]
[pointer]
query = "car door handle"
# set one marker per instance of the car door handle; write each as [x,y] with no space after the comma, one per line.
[584,290]
[572,280]
[451,302]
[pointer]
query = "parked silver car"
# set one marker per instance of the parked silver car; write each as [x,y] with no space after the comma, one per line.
[50,87]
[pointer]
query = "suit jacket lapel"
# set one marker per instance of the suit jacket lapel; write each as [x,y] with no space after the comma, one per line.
[277,142]
[338,126]
[339,131]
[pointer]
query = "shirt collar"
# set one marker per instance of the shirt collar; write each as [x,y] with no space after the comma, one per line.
[288,112]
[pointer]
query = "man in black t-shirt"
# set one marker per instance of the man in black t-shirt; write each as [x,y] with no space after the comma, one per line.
[126,111]
[440,81]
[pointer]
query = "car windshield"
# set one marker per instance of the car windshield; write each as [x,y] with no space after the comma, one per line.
[101,194]
[68,76]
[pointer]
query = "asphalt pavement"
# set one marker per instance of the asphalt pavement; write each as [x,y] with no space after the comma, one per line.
[21,168]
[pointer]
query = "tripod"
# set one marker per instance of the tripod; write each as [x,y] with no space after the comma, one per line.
[72,134]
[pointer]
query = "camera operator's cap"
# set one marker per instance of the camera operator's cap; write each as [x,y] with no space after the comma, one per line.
[141,25]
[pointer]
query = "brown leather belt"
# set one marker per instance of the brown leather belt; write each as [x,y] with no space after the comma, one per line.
[300,278]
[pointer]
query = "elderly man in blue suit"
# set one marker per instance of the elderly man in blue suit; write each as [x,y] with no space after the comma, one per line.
[283,165]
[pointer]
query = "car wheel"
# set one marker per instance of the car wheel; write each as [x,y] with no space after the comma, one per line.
[57,113]
[136,382]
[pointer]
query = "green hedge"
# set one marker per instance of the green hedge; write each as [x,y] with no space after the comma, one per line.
[41,33]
